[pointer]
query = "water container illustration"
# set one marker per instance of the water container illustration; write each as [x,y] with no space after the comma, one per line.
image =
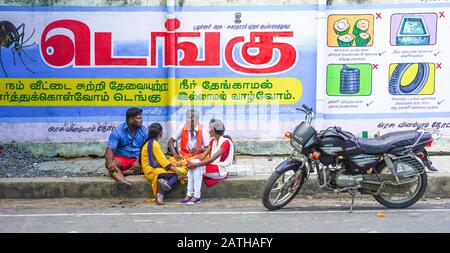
[350,80]
[413,31]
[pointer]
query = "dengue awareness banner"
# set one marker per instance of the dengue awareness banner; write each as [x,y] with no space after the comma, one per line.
[69,73]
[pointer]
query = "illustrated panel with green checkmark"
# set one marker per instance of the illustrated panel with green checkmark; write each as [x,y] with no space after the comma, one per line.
[349,79]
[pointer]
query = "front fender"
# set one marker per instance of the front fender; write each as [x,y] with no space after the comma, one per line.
[291,164]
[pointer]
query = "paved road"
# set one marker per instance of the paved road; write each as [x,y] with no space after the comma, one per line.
[237,215]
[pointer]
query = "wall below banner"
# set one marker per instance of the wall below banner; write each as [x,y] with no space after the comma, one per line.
[254,148]
[59,122]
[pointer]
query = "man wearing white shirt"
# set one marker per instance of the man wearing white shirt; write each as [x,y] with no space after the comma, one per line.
[193,138]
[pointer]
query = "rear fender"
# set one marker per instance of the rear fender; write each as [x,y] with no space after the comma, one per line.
[423,154]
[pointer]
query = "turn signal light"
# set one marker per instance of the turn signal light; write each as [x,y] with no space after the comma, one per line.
[315,155]
[288,135]
[429,143]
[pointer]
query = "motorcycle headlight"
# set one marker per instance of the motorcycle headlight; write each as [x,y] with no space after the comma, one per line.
[296,145]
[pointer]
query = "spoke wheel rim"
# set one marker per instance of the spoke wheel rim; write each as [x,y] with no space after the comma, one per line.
[410,194]
[285,186]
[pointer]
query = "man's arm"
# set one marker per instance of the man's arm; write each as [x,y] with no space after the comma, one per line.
[172,149]
[110,165]
[137,168]
[113,142]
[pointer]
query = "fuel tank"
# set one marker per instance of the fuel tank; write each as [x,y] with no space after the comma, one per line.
[334,142]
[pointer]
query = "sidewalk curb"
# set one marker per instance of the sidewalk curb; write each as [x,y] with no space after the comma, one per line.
[102,187]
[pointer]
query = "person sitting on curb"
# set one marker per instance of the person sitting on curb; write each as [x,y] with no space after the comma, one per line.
[124,146]
[157,169]
[192,136]
[211,170]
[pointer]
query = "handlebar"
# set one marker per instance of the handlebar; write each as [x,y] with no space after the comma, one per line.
[307,108]
[308,111]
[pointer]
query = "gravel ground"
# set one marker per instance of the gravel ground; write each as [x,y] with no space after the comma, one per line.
[18,162]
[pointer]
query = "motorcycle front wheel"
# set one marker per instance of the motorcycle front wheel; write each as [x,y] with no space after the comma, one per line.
[281,188]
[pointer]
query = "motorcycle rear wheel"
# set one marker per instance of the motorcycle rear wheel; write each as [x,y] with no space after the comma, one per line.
[284,186]
[416,195]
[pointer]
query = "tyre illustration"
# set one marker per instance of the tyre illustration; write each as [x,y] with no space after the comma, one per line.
[414,87]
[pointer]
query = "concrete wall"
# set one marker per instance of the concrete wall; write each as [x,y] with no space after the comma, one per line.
[258,148]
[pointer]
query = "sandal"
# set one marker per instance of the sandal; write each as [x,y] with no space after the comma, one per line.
[159,199]
[185,200]
[194,201]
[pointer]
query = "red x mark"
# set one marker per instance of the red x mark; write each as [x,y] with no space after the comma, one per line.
[441,14]
[378,15]
[375,66]
[438,66]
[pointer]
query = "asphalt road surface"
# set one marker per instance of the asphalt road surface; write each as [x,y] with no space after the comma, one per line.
[220,216]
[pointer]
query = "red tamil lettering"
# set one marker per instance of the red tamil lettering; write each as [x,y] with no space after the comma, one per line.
[256,56]
[266,47]
[103,53]
[59,50]
[189,49]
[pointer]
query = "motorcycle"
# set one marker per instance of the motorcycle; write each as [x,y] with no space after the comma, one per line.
[391,167]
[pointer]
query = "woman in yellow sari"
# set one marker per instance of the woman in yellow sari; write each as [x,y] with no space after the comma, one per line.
[157,169]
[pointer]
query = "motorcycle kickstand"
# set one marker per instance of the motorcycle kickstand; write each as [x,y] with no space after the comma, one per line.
[353,194]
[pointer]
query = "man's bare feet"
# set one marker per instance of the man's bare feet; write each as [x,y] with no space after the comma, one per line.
[128,172]
[119,177]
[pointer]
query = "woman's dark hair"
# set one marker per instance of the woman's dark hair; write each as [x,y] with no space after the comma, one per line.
[154,130]
[133,112]
[228,137]
[234,155]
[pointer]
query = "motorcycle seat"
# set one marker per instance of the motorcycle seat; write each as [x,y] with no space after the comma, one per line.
[387,142]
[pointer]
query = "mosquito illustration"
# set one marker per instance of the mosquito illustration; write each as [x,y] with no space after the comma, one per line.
[10,35]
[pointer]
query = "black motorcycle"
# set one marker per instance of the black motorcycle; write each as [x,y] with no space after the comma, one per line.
[389,167]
